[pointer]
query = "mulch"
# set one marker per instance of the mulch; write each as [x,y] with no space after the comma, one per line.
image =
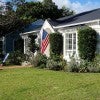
[12,67]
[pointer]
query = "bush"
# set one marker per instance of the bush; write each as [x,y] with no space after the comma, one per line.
[94,66]
[40,61]
[56,57]
[56,44]
[83,67]
[97,60]
[56,63]
[16,58]
[53,65]
[87,40]
[73,66]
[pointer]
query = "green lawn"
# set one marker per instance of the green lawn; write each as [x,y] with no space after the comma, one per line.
[35,84]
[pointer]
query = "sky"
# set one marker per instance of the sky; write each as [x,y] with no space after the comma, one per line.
[76,5]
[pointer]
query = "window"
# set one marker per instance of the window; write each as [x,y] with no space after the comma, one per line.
[70,46]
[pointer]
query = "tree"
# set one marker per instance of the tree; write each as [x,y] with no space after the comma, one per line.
[31,11]
[67,11]
[9,6]
[27,12]
[51,10]
[9,23]
[17,2]
[47,2]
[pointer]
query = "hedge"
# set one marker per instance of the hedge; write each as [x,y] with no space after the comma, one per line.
[87,40]
[56,44]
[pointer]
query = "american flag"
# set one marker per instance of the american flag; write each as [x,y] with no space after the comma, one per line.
[45,41]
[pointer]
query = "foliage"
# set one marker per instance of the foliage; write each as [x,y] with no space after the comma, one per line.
[19,13]
[39,61]
[73,65]
[10,22]
[31,11]
[93,66]
[56,44]
[18,2]
[51,10]
[67,11]
[32,44]
[84,65]
[55,63]
[87,41]
[16,58]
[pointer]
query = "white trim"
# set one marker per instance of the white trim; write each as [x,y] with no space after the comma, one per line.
[65,56]
[61,26]
[29,32]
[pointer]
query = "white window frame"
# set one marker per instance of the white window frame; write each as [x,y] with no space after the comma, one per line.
[72,50]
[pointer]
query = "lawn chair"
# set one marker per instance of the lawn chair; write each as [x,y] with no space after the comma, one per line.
[5,58]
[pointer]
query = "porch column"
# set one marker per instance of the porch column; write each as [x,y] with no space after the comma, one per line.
[3,46]
[2,40]
[26,44]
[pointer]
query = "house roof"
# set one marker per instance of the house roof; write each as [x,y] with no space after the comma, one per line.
[78,18]
[35,26]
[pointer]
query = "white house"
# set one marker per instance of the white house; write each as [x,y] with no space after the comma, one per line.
[68,27]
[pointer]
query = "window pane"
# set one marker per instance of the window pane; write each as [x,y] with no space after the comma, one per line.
[70,36]
[74,41]
[74,35]
[70,47]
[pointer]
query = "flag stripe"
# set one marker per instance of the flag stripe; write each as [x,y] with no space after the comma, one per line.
[45,44]
[45,41]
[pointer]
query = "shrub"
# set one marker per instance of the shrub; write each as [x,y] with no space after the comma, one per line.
[53,65]
[16,58]
[56,57]
[56,63]
[56,44]
[97,60]
[87,41]
[40,61]
[84,65]
[73,66]
[93,66]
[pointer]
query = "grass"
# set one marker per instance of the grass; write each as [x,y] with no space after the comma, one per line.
[36,84]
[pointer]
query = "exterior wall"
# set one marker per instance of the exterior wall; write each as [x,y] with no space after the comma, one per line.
[47,27]
[9,41]
[67,30]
